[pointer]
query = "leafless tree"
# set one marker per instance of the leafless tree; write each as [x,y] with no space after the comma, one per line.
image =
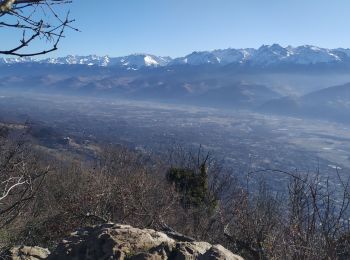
[20,176]
[33,22]
[310,220]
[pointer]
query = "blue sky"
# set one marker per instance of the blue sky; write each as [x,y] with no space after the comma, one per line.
[178,27]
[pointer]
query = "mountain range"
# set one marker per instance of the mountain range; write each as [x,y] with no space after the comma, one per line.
[292,81]
[266,55]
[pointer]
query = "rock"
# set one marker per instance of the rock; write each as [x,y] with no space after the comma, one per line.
[190,250]
[27,253]
[219,252]
[109,240]
[113,241]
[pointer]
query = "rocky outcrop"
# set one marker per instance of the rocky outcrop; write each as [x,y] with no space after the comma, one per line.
[112,241]
[27,253]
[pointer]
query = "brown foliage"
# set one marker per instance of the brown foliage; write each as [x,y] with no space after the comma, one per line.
[308,221]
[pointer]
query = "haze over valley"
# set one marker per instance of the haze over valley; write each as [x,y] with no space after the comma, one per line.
[269,108]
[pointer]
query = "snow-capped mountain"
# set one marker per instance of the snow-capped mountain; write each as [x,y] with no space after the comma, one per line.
[275,54]
[6,60]
[312,55]
[222,57]
[264,56]
[84,60]
[140,60]
[267,55]
[132,61]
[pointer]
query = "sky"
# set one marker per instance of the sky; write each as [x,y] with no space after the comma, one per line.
[178,27]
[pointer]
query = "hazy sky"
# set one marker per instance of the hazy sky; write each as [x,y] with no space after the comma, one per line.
[178,27]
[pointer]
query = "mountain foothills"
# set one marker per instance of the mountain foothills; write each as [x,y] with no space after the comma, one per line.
[331,103]
[304,81]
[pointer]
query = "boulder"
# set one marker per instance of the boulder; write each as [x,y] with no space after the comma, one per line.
[219,252]
[190,250]
[27,253]
[113,241]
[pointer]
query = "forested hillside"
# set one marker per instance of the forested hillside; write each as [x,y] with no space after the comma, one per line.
[47,195]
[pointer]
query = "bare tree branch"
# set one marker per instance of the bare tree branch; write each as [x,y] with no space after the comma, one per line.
[34,21]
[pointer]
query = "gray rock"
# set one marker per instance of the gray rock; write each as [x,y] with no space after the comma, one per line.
[113,241]
[27,253]
[220,253]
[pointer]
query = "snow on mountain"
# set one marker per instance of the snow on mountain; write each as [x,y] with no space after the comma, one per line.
[83,60]
[197,58]
[4,60]
[228,56]
[264,56]
[132,61]
[140,60]
[267,55]
[343,51]
[222,57]
[270,54]
[311,55]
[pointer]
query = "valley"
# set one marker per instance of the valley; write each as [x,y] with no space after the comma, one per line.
[244,141]
[257,110]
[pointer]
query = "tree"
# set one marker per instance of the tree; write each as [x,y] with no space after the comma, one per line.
[190,178]
[193,186]
[32,22]
[20,175]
